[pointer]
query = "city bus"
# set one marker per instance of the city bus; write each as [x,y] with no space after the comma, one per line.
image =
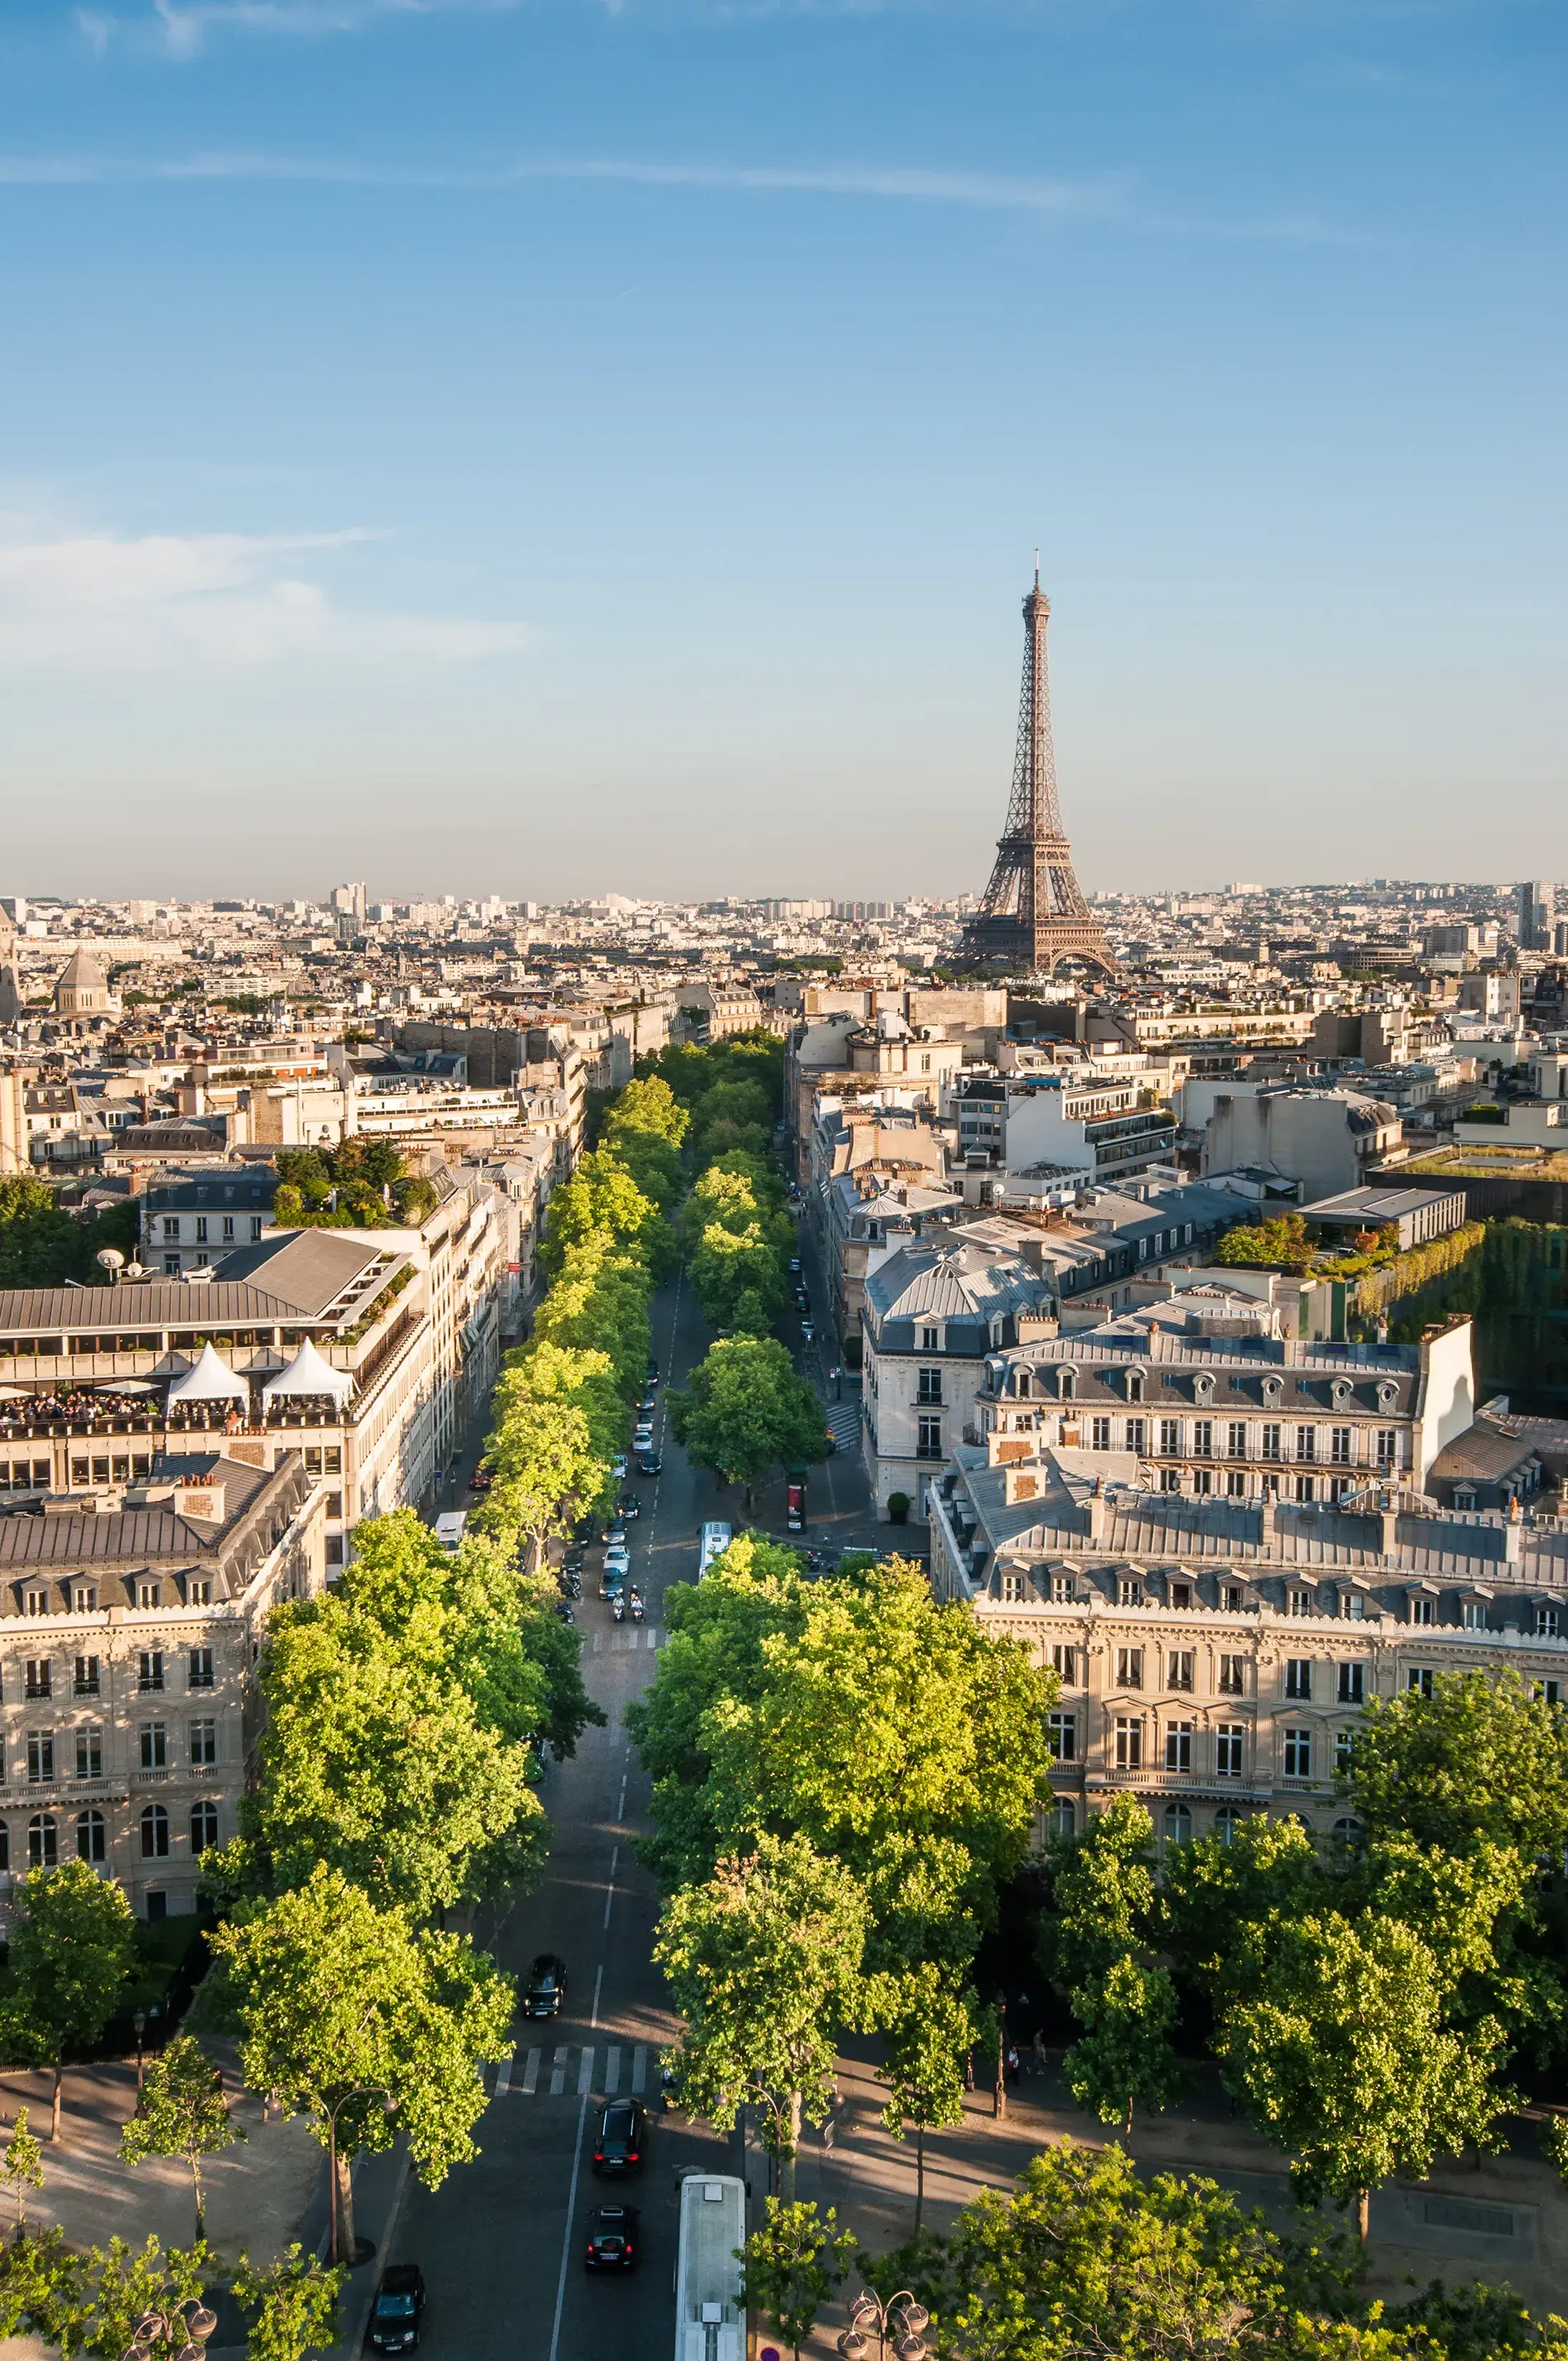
[714,1540]
[710,2318]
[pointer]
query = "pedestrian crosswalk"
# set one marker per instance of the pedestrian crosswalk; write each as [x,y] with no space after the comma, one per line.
[576,2070]
[615,1643]
[844,1425]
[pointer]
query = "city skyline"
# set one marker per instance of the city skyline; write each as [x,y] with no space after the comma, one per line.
[644,443]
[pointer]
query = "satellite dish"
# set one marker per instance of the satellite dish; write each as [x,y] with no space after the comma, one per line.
[136,1271]
[113,1261]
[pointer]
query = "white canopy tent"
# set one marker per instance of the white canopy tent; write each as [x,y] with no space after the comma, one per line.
[210,1380]
[307,1373]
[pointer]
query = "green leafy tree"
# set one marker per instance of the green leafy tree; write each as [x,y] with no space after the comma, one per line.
[890,1731]
[928,2027]
[1221,1904]
[332,1997]
[1083,2257]
[648,1107]
[24,2166]
[290,2305]
[42,2285]
[764,1963]
[1345,2057]
[1481,1758]
[73,1940]
[373,1757]
[1125,2057]
[1104,1894]
[121,2285]
[794,2259]
[745,1410]
[602,1200]
[182,2111]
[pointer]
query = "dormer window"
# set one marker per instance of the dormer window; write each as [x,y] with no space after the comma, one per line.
[1202,1387]
[1272,1389]
[1134,1385]
[1067,1384]
[1388,1393]
[930,1340]
[1021,1384]
[1340,1389]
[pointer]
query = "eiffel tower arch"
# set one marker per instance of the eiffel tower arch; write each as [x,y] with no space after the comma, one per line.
[1033,913]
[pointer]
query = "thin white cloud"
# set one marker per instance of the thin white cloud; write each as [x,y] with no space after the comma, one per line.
[167,602]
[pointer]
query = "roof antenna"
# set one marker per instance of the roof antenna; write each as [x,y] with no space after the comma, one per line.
[1036,569]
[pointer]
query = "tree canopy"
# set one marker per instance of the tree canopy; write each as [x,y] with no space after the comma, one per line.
[744,1411]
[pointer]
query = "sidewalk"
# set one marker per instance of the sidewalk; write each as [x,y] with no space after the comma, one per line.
[1506,2222]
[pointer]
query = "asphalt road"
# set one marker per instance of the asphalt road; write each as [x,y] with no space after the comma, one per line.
[501,2243]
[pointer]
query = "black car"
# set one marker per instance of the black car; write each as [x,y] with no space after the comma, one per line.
[547,1993]
[613,1536]
[646,1407]
[400,2304]
[623,2137]
[614,2235]
[794,1266]
[628,1506]
[652,1377]
[650,1464]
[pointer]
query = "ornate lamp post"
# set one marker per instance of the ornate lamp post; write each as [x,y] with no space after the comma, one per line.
[139,2022]
[177,2335]
[900,2318]
[366,2091]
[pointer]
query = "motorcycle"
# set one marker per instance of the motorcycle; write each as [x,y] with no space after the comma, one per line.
[637,1610]
[618,1609]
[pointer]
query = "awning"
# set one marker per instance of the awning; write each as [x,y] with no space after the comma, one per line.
[307,1373]
[210,1380]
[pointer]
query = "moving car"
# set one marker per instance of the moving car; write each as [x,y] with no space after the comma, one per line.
[617,1560]
[614,1534]
[652,1377]
[396,2312]
[613,2237]
[808,1330]
[650,1464]
[794,1266]
[628,1506]
[623,2136]
[546,1992]
[449,1530]
[642,1438]
[646,1407]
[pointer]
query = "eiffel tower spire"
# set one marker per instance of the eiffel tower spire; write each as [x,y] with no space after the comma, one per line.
[1033,913]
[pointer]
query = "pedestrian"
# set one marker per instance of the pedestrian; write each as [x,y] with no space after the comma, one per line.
[969,2070]
[1013,2068]
[1039,2046]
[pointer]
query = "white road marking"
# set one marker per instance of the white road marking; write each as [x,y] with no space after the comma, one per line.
[612,2070]
[558,2071]
[621,1808]
[598,1986]
[566,2232]
[503,2074]
[531,2073]
[609,1893]
[586,2072]
[639,2069]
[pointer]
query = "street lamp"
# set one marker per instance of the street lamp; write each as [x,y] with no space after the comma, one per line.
[901,2317]
[180,2332]
[365,2091]
[999,2096]
[139,2021]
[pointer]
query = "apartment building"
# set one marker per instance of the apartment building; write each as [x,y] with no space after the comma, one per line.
[1211,1404]
[367,1351]
[1214,1656]
[129,1621]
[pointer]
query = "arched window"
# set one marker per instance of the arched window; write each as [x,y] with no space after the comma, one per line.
[1064,1817]
[1227,1819]
[90,1840]
[43,1841]
[203,1826]
[155,1833]
[1347,1833]
[1177,1824]
[1134,1385]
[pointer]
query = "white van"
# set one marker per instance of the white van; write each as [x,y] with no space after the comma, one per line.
[715,1541]
[449,1530]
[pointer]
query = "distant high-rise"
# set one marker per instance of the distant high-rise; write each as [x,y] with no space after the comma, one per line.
[1033,913]
[348,902]
[1537,916]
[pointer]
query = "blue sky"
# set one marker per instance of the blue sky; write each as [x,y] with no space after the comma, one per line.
[555,447]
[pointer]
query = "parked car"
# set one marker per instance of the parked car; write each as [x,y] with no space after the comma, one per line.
[546,1991]
[622,2137]
[399,2307]
[617,1468]
[614,2235]
[650,1464]
[582,1531]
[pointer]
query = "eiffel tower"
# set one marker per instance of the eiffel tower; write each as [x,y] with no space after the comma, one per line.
[1034,913]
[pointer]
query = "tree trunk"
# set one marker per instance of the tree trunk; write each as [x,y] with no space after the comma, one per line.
[919,2175]
[999,2095]
[1127,2127]
[1363,2213]
[345,2170]
[196,2187]
[58,2087]
[786,2153]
